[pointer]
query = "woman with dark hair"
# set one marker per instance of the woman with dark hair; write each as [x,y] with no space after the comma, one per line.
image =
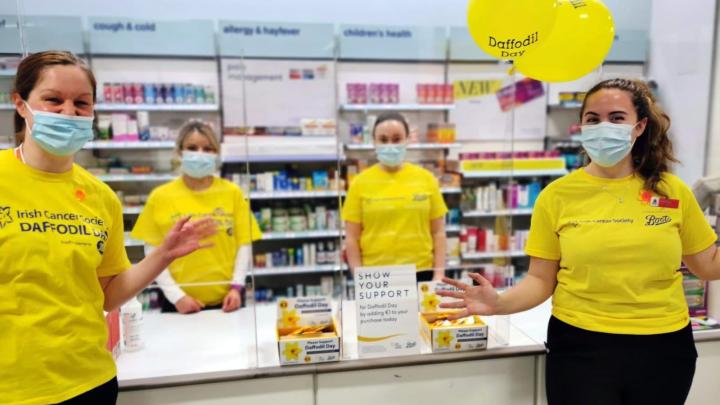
[394,212]
[606,242]
[61,236]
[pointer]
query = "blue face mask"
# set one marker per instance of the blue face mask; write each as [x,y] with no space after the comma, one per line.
[199,164]
[391,155]
[607,143]
[59,134]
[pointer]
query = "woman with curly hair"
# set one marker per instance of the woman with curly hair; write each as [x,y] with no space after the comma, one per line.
[606,242]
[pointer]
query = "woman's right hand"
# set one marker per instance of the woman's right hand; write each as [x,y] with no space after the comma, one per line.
[189,305]
[481,299]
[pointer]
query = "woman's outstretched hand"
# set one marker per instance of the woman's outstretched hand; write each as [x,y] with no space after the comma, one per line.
[481,299]
[186,237]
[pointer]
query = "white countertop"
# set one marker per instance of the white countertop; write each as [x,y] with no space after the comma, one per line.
[214,344]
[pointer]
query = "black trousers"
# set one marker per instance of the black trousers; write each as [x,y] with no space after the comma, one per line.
[588,368]
[105,394]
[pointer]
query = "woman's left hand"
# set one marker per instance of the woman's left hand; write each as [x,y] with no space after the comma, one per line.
[232,301]
[186,237]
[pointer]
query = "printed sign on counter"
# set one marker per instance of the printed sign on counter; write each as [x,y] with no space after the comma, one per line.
[41,33]
[276,40]
[392,42]
[387,321]
[131,36]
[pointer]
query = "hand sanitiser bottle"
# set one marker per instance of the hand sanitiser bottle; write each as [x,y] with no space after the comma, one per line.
[132,320]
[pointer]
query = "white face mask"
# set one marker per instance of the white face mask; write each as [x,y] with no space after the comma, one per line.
[199,164]
[607,143]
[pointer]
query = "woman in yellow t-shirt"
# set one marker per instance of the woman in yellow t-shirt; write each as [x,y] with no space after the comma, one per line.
[394,212]
[199,193]
[61,236]
[606,242]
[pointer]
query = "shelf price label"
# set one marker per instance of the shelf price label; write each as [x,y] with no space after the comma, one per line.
[131,36]
[387,316]
[276,39]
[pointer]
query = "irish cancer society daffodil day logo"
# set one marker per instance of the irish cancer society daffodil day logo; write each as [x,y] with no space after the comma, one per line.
[292,351]
[444,338]
[430,302]
[5,217]
[289,318]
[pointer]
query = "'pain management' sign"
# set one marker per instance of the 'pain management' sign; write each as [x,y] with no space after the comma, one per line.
[387,321]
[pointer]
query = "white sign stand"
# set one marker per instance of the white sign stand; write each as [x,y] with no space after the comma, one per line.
[387,316]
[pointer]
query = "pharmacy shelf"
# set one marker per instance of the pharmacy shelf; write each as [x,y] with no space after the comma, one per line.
[132,210]
[282,271]
[117,178]
[516,173]
[566,106]
[5,145]
[130,242]
[281,158]
[8,73]
[451,190]
[396,107]
[452,228]
[412,146]
[7,107]
[493,255]
[301,235]
[130,145]
[157,107]
[488,214]
[284,195]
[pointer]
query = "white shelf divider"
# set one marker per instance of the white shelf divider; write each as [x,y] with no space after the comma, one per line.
[396,107]
[118,178]
[136,210]
[488,214]
[289,270]
[7,107]
[412,146]
[493,255]
[130,242]
[451,190]
[284,195]
[158,107]
[130,145]
[301,235]
[452,228]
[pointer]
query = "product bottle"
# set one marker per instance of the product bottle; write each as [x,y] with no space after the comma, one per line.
[132,320]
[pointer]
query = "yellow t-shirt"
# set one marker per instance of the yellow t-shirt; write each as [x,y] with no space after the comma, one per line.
[619,253]
[58,234]
[395,210]
[226,204]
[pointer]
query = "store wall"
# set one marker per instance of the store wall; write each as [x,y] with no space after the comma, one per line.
[681,61]
[628,13]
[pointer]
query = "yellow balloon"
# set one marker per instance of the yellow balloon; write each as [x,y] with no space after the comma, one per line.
[582,37]
[507,29]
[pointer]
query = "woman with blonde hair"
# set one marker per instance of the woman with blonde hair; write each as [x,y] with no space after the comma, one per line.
[215,277]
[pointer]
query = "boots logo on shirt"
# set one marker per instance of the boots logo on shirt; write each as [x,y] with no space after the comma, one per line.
[652,220]
[5,217]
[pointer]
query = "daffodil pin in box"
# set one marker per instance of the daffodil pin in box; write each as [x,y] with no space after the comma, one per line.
[441,333]
[306,331]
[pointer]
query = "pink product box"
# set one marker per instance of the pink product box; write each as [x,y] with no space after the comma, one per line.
[449,94]
[374,93]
